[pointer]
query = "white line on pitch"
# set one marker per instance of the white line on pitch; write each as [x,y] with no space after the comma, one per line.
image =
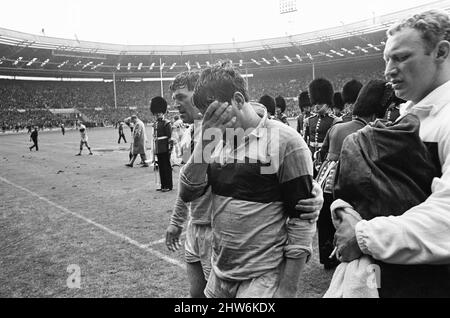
[100,226]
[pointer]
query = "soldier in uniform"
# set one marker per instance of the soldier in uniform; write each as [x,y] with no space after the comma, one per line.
[162,134]
[305,107]
[371,103]
[280,107]
[321,95]
[393,111]
[350,92]
[338,104]
[269,102]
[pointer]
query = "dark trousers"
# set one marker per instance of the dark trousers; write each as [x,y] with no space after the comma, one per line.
[165,170]
[35,144]
[120,137]
[326,231]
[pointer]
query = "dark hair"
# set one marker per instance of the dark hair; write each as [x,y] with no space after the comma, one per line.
[321,92]
[269,103]
[186,79]
[350,91]
[218,82]
[338,103]
[373,99]
[280,103]
[434,26]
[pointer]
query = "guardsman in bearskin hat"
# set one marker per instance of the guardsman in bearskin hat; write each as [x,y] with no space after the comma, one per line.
[393,111]
[371,103]
[350,93]
[268,102]
[305,107]
[280,107]
[321,96]
[338,104]
[162,133]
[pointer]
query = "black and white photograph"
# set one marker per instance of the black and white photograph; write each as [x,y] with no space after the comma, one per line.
[239,149]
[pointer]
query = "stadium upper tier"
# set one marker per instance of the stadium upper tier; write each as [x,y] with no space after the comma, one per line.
[23,94]
[35,55]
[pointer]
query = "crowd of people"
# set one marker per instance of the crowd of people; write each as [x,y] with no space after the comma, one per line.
[14,120]
[380,181]
[96,99]
[367,165]
[21,94]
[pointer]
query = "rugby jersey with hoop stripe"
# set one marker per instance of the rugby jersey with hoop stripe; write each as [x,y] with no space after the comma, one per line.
[252,199]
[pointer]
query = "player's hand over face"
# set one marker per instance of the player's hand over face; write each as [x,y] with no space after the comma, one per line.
[173,238]
[218,115]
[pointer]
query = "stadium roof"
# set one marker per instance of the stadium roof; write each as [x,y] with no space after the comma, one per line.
[36,55]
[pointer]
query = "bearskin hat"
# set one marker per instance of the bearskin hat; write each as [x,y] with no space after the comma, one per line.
[303,100]
[350,91]
[338,103]
[280,103]
[321,92]
[269,103]
[158,105]
[374,98]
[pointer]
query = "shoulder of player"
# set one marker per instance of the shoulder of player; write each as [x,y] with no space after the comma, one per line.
[288,137]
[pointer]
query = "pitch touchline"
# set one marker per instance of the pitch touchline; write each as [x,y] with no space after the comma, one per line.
[100,226]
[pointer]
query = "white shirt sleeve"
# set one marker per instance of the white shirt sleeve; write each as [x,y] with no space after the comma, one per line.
[422,234]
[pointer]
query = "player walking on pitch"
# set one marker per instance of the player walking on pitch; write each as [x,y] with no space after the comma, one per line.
[84,139]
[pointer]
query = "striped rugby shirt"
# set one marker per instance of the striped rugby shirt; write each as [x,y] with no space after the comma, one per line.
[252,230]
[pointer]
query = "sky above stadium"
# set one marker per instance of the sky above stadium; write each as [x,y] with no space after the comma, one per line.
[185,22]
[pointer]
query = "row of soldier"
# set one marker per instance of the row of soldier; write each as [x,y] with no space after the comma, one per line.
[321,108]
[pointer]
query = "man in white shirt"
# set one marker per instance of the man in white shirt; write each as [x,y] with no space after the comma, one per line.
[418,66]
[84,139]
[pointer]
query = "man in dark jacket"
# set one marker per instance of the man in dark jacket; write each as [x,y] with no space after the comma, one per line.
[371,103]
[34,138]
[162,134]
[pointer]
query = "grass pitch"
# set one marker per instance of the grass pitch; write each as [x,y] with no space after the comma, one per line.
[57,210]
